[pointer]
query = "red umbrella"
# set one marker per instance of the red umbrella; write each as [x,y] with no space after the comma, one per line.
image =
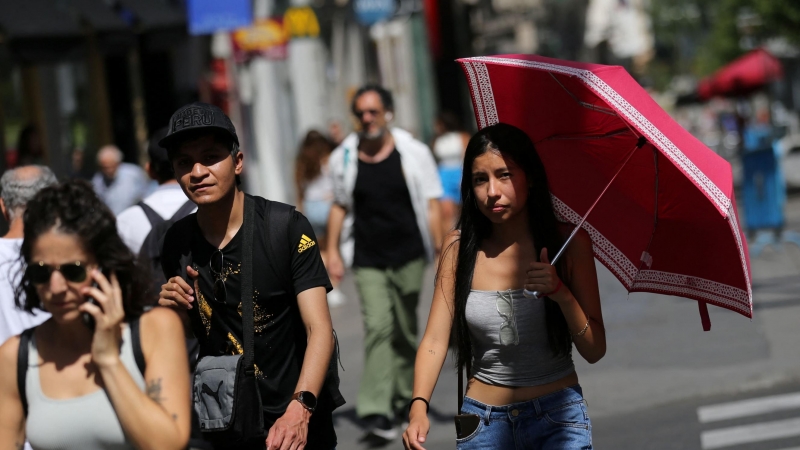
[742,76]
[663,216]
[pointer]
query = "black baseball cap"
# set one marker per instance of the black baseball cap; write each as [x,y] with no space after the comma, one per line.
[197,116]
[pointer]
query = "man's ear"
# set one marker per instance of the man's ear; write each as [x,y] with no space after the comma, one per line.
[4,210]
[238,162]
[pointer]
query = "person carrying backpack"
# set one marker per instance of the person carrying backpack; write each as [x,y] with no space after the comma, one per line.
[167,203]
[248,273]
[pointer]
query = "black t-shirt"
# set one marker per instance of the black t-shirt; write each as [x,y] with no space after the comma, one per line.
[385,227]
[280,337]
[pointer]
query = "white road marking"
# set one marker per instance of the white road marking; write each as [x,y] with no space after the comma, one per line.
[747,408]
[757,432]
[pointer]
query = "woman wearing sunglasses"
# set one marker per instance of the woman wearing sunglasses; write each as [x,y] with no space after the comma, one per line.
[522,390]
[83,388]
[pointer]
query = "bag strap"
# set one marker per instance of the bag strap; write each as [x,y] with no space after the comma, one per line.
[22,367]
[152,216]
[460,389]
[183,211]
[136,343]
[248,331]
[277,218]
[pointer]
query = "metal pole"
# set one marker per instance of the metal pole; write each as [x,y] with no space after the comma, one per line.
[639,144]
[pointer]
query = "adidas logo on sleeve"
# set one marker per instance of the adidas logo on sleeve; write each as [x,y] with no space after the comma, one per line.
[305,244]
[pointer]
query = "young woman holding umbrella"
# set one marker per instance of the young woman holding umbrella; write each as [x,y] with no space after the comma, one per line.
[523,391]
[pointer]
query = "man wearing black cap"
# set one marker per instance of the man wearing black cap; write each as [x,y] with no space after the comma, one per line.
[135,223]
[293,337]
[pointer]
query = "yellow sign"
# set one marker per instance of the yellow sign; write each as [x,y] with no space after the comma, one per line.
[264,35]
[301,22]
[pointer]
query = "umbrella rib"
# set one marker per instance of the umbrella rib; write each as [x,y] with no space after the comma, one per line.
[586,105]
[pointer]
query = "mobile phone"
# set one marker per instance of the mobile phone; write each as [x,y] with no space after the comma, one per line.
[87,318]
[466,424]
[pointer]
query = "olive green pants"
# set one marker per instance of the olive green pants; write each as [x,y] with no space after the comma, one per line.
[389,299]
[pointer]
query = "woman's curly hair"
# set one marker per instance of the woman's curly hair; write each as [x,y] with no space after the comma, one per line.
[74,208]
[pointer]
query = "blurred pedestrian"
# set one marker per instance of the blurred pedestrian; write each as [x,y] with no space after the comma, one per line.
[385,223]
[292,339]
[100,373]
[448,147]
[18,187]
[517,351]
[136,222]
[119,184]
[315,194]
[336,132]
[30,148]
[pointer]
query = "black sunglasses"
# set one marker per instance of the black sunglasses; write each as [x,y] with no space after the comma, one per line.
[215,265]
[40,273]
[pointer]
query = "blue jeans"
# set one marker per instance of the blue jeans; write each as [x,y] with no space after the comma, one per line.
[556,421]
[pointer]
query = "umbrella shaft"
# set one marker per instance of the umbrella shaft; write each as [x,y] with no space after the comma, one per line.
[639,145]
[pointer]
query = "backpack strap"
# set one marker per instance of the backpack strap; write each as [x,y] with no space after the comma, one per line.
[277,217]
[152,216]
[136,343]
[248,329]
[183,211]
[22,367]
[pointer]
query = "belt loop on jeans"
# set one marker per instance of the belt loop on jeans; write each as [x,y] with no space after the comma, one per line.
[537,407]
[487,414]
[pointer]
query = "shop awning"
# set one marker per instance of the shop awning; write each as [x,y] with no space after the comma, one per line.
[742,76]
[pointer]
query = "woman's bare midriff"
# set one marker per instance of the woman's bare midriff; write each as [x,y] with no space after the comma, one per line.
[496,395]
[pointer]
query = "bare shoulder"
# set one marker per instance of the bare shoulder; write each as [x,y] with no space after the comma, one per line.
[8,358]
[582,241]
[161,321]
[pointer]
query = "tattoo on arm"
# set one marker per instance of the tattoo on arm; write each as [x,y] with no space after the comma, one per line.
[154,390]
[432,352]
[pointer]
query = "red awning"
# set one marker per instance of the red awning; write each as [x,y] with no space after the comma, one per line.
[742,76]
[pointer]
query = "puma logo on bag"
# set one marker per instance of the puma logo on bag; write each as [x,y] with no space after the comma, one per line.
[213,394]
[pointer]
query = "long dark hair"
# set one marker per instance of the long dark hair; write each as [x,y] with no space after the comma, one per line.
[73,208]
[308,164]
[475,227]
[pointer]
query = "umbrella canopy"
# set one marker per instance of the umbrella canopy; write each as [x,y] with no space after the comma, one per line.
[742,76]
[667,223]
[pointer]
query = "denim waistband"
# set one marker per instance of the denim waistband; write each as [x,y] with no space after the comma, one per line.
[535,407]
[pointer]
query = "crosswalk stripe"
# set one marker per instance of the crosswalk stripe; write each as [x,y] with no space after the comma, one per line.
[746,408]
[757,432]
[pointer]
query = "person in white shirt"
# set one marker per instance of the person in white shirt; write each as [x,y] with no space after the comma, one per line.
[18,187]
[119,184]
[135,223]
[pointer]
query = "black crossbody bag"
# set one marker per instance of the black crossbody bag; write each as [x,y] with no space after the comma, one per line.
[466,424]
[226,395]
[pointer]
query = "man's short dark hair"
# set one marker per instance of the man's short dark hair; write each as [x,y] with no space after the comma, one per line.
[383,93]
[220,137]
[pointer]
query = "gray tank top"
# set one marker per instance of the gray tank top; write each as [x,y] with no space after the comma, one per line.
[523,358]
[87,423]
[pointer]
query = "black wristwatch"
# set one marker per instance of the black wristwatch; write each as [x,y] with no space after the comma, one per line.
[307,399]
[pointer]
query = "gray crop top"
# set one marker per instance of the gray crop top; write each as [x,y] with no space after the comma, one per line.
[87,422]
[528,363]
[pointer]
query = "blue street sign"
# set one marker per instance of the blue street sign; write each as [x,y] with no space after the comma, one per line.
[209,16]
[370,12]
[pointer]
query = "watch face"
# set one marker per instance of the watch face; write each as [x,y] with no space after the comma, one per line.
[308,399]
